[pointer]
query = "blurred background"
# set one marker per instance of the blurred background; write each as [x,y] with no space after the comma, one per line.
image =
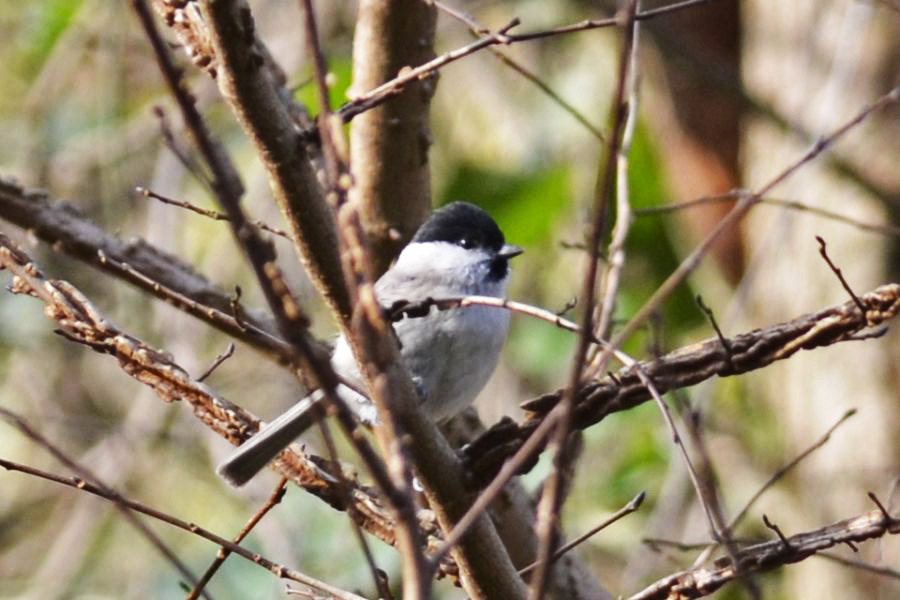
[731,93]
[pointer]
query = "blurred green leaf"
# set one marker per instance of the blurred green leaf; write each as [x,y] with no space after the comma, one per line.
[340,69]
[651,254]
[46,23]
[526,205]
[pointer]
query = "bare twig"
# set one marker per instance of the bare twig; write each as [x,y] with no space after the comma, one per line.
[629,508]
[229,351]
[212,214]
[615,254]
[702,581]
[783,470]
[503,36]
[884,229]
[824,252]
[97,490]
[863,566]
[85,478]
[551,499]
[477,30]
[273,500]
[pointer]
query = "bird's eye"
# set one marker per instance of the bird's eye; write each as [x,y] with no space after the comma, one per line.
[467,242]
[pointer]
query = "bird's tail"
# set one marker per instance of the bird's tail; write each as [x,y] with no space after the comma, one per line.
[255,453]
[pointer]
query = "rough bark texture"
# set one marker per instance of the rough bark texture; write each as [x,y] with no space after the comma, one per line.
[389,145]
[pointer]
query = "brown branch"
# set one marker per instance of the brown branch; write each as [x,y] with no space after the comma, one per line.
[686,367]
[389,145]
[223,34]
[222,555]
[210,214]
[88,478]
[81,322]
[552,497]
[277,569]
[135,261]
[702,581]
[377,96]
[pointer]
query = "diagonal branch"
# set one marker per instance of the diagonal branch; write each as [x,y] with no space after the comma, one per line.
[137,262]
[79,321]
[703,581]
[225,35]
[685,367]
[229,546]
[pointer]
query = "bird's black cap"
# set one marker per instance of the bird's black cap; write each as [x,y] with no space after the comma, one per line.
[463,224]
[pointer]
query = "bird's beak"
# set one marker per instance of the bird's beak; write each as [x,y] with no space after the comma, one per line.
[509,251]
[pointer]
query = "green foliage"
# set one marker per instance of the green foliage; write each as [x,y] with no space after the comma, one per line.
[340,68]
[527,205]
[45,23]
[651,255]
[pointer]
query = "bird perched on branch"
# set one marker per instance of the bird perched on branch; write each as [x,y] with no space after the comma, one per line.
[450,354]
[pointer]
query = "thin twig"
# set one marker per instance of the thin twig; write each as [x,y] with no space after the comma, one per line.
[376,96]
[88,478]
[186,160]
[229,351]
[211,214]
[884,229]
[702,492]
[279,570]
[478,30]
[862,566]
[551,500]
[615,254]
[823,250]
[629,508]
[726,347]
[783,470]
[273,500]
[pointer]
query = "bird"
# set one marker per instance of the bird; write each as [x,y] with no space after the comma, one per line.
[450,354]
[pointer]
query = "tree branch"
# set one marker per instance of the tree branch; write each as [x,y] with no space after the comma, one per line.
[223,31]
[685,367]
[135,261]
[389,145]
[703,581]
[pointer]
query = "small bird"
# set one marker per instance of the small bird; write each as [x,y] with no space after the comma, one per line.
[450,354]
